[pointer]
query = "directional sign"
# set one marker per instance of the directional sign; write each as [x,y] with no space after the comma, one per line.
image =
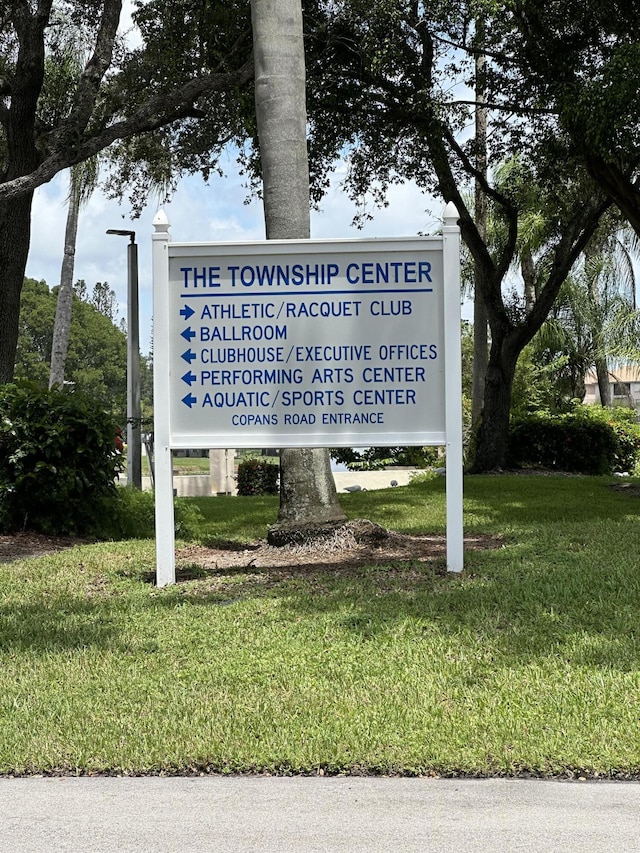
[307,344]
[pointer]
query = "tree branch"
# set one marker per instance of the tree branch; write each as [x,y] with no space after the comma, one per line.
[510,108]
[97,66]
[619,186]
[158,111]
[476,50]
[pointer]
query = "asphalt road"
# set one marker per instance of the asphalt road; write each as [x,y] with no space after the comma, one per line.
[171,815]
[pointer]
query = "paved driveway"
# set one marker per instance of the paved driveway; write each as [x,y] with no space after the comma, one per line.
[355,815]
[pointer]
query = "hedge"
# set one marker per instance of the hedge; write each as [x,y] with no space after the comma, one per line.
[257,477]
[589,440]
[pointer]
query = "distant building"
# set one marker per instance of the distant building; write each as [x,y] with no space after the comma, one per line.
[625,386]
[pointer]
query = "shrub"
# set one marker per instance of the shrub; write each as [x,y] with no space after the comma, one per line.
[132,516]
[586,441]
[58,461]
[624,423]
[257,477]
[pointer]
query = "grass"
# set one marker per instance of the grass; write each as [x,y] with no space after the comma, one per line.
[528,663]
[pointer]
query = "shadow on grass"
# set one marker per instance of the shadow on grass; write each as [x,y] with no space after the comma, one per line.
[570,587]
[248,518]
[492,504]
[575,594]
[514,606]
[63,623]
[526,501]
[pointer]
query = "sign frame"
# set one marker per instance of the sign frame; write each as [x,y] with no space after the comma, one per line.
[173,422]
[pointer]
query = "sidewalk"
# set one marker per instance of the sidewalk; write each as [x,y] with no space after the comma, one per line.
[313,814]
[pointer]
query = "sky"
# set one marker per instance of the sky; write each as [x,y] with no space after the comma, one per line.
[198,213]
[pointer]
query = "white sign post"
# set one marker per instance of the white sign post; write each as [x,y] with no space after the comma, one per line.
[309,343]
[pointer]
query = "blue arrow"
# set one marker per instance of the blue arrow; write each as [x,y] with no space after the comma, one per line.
[188,334]
[188,356]
[189,400]
[187,312]
[189,378]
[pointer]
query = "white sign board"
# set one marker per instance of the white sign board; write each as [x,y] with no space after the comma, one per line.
[330,343]
[307,344]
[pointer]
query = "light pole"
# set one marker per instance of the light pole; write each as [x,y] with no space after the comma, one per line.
[134,415]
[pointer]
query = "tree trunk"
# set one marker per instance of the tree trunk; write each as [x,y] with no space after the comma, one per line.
[15,225]
[604,386]
[19,157]
[307,489]
[528,270]
[491,452]
[480,318]
[62,325]
[480,357]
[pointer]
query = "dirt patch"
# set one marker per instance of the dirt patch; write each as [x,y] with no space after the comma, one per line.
[357,543]
[632,490]
[354,544]
[19,546]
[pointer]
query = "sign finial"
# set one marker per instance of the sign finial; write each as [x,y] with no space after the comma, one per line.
[161,221]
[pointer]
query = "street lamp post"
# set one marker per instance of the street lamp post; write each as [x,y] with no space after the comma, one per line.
[134,415]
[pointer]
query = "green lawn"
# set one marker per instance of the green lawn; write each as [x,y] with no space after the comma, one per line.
[529,662]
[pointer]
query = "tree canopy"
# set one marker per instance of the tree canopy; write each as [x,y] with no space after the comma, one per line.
[581,59]
[56,112]
[97,356]
[390,86]
[120,92]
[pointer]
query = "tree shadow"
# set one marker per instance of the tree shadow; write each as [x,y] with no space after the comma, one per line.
[547,499]
[513,600]
[63,623]
[518,600]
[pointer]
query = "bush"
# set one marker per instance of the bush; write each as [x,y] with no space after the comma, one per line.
[58,461]
[132,516]
[586,441]
[624,423]
[257,477]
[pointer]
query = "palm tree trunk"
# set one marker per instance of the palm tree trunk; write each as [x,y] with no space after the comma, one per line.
[604,386]
[307,489]
[62,325]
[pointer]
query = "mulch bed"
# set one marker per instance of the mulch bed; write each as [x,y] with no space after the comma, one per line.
[18,546]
